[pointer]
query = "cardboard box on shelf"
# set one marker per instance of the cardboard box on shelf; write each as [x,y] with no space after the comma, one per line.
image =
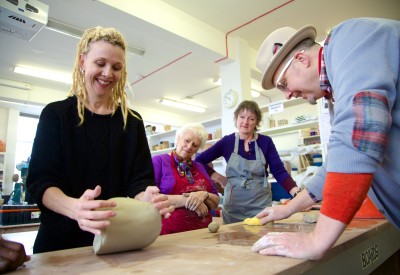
[167,128]
[2,146]
[282,122]
[164,144]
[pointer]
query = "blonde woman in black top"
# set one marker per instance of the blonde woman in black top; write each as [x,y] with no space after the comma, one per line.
[88,148]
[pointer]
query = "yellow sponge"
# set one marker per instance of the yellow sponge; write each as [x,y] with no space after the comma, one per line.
[252,221]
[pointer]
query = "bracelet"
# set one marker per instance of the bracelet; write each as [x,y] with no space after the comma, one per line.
[313,197]
[206,196]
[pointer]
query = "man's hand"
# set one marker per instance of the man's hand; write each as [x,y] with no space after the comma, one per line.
[312,246]
[269,214]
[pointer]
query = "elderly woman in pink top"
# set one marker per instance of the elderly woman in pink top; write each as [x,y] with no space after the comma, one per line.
[186,182]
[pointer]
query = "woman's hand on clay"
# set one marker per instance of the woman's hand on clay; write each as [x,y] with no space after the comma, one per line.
[160,201]
[88,212]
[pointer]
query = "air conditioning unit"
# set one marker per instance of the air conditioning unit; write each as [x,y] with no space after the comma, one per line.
[22,18]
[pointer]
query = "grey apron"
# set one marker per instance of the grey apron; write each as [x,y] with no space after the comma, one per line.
[247,191]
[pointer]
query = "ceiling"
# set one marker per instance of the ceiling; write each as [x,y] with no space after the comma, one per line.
[179,63]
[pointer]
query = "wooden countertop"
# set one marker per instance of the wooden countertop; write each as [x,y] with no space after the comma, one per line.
[228,252]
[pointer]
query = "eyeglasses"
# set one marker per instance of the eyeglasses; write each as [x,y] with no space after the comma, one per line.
[282,85]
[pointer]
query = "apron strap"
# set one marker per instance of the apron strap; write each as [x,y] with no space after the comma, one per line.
[236,148]
[260,156]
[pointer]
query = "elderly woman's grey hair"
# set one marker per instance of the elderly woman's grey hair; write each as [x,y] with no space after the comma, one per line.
[197,129]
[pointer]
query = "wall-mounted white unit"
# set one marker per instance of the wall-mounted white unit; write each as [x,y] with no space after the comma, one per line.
[22,18]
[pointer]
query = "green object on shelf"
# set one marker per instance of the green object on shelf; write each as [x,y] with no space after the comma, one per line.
[19,188]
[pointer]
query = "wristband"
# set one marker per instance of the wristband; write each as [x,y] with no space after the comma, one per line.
[295,194]
[313,197]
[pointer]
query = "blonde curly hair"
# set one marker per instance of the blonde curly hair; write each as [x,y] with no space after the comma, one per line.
[78,89]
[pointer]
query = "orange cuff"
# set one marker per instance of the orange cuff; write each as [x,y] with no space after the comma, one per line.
[344,194]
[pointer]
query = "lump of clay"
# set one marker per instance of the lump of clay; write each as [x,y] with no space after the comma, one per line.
[252,221]
[136,225]
[310,217]
[213,227]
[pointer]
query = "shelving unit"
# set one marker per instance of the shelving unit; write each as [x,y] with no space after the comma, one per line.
[211,125]
[309,140]
[285,133]
[285,137]
[156,139]
[2,168]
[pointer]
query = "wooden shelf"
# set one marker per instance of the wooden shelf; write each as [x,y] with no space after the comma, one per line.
[170,136]
[311,137]
[163,134]
[167,150]
[162,151]
[289,128]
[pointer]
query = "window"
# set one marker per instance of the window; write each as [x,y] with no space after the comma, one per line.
[25,135]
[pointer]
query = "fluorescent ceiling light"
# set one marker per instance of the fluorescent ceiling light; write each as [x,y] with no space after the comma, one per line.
[182,105]
[71,31]
[23,107]
[45,74]
[135,51]
[14,84]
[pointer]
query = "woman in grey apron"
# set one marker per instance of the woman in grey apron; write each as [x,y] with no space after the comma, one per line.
[247,191]
[248,155]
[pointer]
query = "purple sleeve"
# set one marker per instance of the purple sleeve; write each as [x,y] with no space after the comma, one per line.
[163,174]
[275,163]
[224,147]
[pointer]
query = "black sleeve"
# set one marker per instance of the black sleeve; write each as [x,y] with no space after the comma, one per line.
[141,172]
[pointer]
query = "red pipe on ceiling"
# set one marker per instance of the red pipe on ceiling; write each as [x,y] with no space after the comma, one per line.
[153,72]
[245,24]
[226,43]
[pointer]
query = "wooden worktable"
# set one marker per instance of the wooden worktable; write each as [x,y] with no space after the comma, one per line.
[19,228]
[228,252]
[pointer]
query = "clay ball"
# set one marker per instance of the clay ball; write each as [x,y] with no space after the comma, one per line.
[213,227]
[310,217]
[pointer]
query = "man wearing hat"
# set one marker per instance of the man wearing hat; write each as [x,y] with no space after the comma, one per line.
[357,71]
